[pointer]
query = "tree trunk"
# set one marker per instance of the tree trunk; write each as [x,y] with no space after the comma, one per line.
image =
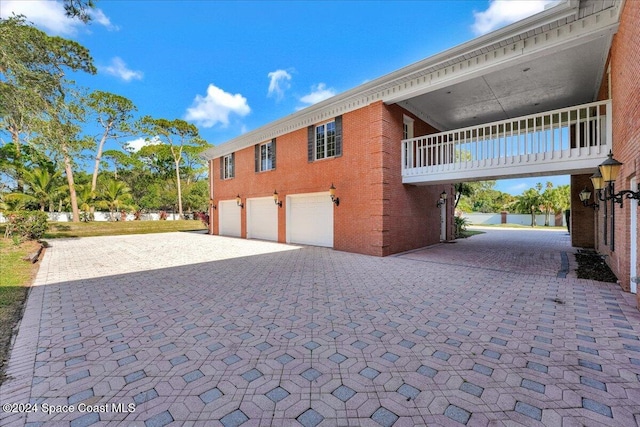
[94,178]
[179,190]
[72,187]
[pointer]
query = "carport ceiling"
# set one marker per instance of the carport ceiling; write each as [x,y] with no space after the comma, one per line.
[561,79]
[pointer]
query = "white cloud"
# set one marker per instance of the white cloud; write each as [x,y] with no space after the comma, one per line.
[135,145]
[216,107]
[278,83]
[49,15]
[505,12]
[318,93]
[119,69]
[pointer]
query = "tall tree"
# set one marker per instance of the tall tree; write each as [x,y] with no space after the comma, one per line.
[114,115]
[177,135]
[33,87]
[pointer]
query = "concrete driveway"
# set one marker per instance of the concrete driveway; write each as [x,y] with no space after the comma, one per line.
[190,329]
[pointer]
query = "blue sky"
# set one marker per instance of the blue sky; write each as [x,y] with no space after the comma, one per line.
[233,66]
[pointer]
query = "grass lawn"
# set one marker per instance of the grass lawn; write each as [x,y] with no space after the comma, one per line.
[539,226]
[15,277]
[102,228]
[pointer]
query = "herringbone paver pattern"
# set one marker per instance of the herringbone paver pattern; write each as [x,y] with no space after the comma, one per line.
[203,330]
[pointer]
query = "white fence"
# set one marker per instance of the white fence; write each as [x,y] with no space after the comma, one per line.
[102,216]
[521,219]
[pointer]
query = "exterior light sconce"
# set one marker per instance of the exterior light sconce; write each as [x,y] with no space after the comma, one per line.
[239,201]
[443,199]
[609,170]
[275,199]
[332,194]
[212,203]
[585,195]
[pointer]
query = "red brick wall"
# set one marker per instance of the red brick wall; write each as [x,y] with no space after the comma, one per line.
[377,214]
[582,218]
[625,88]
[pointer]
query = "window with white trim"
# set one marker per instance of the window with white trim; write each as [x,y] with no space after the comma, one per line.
[227,167]
[266,153]
[325,141]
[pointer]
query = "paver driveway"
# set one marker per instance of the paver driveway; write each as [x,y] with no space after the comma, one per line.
[193,329]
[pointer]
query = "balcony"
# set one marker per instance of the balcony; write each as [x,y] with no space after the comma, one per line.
[566,141]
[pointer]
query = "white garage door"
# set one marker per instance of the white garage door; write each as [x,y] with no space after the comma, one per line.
[262,219]
[310,219]
[229,218]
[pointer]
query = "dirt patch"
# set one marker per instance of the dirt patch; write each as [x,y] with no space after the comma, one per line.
[591,265]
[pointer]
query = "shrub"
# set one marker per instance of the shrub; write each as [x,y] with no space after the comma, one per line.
[26,225]
[461,224]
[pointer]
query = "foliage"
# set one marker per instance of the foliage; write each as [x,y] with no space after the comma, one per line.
[26,225]
[179,137]
[114,114]
[481,196]
[461,225]
[34,107]
[115,196]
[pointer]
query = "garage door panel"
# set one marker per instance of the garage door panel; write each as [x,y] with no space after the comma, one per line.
[310,220]
[229,218]
[262,219]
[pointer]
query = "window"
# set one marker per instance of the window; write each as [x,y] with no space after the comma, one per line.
[325,140]
[265,156]
[226,166]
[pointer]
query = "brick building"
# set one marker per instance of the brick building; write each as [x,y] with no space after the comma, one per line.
[551,94]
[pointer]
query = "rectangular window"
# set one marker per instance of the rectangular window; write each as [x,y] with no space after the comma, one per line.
[325,140]
[227,167]
[266,163]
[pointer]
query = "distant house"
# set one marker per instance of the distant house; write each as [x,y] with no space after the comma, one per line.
[551,94]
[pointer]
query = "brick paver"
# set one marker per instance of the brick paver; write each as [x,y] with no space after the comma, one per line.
[190,329]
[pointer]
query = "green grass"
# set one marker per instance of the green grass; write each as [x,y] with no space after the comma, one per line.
[95,228]
[15,277]
[559,227]
[468,233]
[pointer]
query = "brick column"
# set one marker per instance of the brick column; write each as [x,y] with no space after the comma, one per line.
[582,218]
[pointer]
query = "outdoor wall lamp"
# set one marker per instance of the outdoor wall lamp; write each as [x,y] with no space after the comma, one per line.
[332,194]
[239,201]
[585,195]
[609,170]
[443,199]
[212,203]
[275,199]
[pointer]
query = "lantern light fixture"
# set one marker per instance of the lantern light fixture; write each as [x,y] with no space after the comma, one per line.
[609,170]
[275,199]
[332,194]
[442,200]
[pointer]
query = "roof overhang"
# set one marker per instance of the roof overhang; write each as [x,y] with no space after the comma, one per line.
[556,36]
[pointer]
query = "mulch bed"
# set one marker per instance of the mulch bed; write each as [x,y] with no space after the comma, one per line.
[591,265]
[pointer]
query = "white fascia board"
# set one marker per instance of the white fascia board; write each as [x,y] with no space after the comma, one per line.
[384,88]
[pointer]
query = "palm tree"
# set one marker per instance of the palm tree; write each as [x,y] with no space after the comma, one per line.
[40,187]
[115,195]
[86,201]
[529,202]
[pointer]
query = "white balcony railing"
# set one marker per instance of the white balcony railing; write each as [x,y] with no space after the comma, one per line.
[562,140]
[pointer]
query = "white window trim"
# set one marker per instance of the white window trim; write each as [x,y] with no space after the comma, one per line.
[228,166]
[315,141]
[268,146]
